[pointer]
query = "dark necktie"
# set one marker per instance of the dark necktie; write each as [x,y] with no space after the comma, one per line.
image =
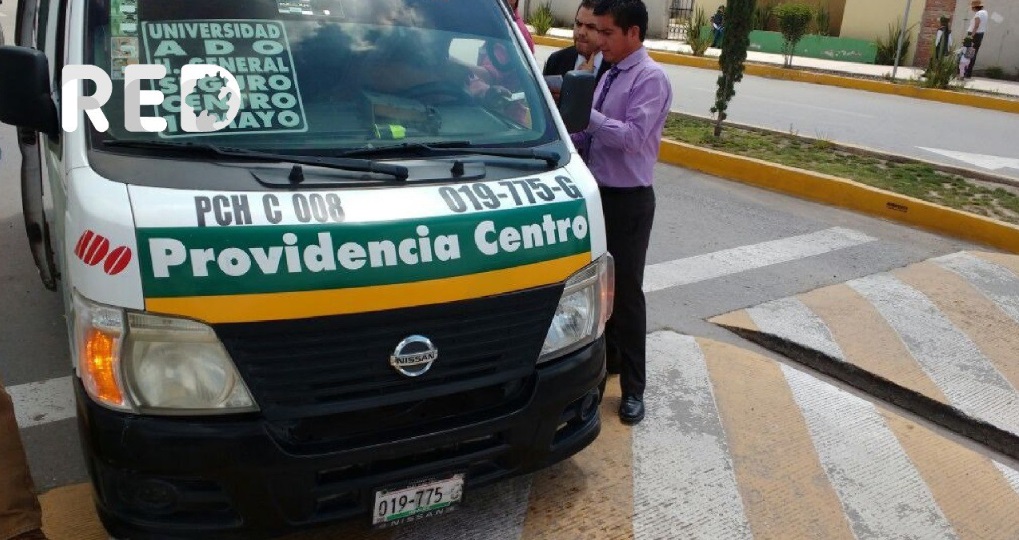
[610,77]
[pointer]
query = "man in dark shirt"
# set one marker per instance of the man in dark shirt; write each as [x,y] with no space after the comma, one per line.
[717,27]
[584,54]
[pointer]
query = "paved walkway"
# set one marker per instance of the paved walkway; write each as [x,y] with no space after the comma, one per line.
[905,73]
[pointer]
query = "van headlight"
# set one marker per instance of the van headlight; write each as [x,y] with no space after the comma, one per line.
[155,364]
[583,309]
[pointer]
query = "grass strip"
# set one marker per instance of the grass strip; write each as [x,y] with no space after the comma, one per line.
[915,179]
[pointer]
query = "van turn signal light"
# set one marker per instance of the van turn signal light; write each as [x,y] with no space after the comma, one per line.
[100,364]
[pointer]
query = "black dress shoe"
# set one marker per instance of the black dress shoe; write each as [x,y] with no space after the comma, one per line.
[631,410]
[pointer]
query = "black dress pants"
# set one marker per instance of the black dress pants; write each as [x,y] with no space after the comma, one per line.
[978,40]
[629,215]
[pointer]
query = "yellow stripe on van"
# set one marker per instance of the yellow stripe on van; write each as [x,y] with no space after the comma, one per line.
[303,304]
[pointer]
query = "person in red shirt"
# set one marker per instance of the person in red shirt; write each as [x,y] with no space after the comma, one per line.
[520,23]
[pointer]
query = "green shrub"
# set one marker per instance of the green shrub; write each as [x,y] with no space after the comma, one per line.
[941,72]
[793,21]
[542,19]
[822,20]
[696,36]
[762,15]
[886,48]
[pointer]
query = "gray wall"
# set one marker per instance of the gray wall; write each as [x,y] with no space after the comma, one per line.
[1001,42]
[564,10]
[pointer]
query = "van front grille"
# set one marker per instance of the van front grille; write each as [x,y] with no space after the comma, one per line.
[330,365]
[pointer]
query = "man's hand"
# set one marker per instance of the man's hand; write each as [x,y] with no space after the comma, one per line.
[588,64]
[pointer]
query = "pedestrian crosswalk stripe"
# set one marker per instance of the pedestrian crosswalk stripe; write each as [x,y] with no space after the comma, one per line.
[948,356]
[866,339]
[881,491]
[1004,260]
[601,477]
[741,259]
[994,333]
[683,476]
[968,488]
[999,284]
[42,402]
[1010,474]
[785,491]
[789,318]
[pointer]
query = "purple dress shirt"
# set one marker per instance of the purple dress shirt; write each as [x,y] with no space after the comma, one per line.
[625,134]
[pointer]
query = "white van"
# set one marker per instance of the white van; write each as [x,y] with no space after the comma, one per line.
[383,282]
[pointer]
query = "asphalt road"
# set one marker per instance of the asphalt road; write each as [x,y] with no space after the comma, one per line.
[882,122]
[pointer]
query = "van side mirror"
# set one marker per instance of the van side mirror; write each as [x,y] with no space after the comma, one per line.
[576,98]
[25,97]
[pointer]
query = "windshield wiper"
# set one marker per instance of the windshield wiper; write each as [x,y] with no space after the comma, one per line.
[456,148]
[342,163]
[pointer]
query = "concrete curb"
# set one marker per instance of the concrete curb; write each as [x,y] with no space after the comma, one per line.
[843,193]
[868,85]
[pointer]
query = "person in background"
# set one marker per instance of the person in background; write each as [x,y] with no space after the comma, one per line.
[943,39]
[20,513]
[977,27]
[717,27]
[966,55]
[584,54]
[620,146]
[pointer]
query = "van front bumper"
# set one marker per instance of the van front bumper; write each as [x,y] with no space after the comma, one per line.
[232,476]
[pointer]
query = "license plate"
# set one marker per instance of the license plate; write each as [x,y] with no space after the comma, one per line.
[419,500]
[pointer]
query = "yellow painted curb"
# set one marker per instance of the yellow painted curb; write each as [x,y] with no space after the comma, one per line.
[844,193]
[551,41]
[868,85]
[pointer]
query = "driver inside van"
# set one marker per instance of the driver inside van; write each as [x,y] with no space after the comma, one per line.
[417,65]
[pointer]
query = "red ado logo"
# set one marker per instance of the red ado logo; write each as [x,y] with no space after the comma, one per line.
[93,249]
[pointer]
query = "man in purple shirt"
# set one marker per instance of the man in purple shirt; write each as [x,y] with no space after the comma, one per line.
[620,146]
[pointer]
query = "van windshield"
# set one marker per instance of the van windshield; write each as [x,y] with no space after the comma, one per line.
[322,76]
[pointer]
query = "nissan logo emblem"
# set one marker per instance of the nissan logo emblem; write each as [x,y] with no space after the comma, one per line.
[414,356]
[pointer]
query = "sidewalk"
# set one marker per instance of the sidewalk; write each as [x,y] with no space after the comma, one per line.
[904,73]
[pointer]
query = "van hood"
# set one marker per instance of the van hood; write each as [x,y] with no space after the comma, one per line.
[225,256]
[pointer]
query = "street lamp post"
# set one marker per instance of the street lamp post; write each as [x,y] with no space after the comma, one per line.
[902,36]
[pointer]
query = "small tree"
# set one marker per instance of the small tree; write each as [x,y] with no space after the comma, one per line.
[696,37]
[735,41]
[793,21]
